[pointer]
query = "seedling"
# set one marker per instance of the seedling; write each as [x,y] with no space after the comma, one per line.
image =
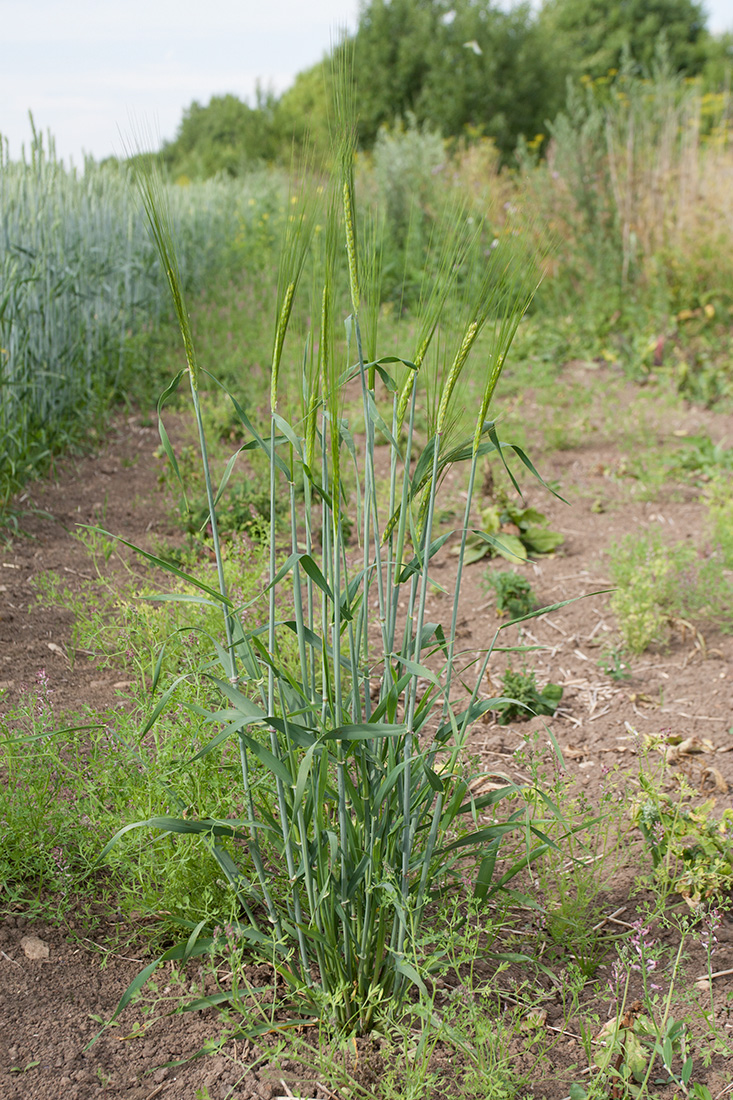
[613,664]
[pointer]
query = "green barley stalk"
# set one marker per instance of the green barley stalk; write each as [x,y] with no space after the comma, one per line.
[354,827]
[519,282]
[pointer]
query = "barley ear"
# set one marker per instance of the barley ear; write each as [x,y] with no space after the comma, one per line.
[156,205]
[455,372]
[277,351]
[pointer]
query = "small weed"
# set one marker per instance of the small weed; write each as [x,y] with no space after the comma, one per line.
[612,662]
[720,510]
[514,595]
[578,869]
[691,851]
[96,542]
[703,459]
[523,698]
[642,1037]
[514,532]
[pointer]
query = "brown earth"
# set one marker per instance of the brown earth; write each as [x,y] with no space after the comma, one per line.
[49,1006]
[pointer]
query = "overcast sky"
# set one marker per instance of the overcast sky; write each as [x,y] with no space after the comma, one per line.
[91,69]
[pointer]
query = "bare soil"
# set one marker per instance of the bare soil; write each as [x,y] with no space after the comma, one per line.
[49,1007]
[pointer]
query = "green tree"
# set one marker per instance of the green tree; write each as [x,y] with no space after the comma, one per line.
[458,64]
[225,136]
[302,113]
[393,48]
[491,72]
[592,36]
[719,63]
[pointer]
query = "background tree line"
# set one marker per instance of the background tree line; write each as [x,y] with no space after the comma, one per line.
[465,67]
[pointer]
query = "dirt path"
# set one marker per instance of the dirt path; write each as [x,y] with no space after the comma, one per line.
[117,489]
[47,1005]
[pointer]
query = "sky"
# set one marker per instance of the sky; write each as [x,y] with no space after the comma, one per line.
[94,72]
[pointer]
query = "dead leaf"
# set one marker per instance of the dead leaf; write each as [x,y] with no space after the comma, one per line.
[685,628]
[642,699]
[692,746]
[484,783]
[719,782]
[629,1017]
[573,753]
[56,649]
[33,948]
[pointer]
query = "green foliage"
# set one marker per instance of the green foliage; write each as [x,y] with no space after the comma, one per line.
[522,700]
[628,1046]
[658,584]
[248,498]
[514,595]
[626,262]
[302,115]
[84,314]
[720,505]
[66,783]
[642,1036]
[468,69]
[69,780]
[596,36]
[408,162]
[613,664]
[463,67]
[704,460]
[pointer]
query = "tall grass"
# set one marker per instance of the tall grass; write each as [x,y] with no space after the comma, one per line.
[356,705]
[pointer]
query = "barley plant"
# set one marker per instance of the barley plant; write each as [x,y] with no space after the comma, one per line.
[354,703]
